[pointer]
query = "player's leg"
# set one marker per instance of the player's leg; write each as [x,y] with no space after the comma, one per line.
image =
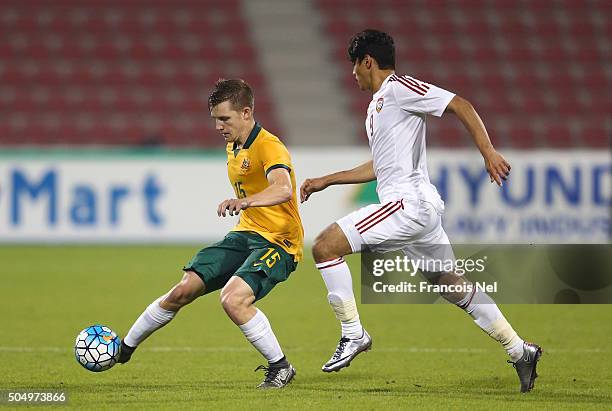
[382,227]
[487,315]
[328,251]
[237,299]
[347,236]
[207,271]
[266,266]
[483,310]
[478,304]
[160,312]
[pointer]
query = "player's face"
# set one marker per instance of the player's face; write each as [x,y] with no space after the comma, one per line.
[361,72]
[229,122]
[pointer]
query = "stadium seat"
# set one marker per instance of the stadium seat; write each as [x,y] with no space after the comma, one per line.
[559,136]
[521,136]
[82,64]
[510,61]
[597,136]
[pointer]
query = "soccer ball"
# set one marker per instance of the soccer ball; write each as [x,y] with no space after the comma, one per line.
[97,348]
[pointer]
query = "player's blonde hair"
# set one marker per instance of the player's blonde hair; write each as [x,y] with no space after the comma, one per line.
[236,91]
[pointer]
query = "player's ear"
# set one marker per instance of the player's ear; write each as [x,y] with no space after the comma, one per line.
[247,113]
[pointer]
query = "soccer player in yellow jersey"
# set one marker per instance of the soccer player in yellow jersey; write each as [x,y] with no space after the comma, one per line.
[258,253]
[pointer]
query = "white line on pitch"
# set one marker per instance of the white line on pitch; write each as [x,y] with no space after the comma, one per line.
[464,350]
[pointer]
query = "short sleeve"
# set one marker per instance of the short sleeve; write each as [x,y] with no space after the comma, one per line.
[419,97]
[274,154]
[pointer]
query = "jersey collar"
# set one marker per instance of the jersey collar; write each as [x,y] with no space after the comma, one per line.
[252,135]
[382,86]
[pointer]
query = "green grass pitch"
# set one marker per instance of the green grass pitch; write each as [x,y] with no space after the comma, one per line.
[423,356]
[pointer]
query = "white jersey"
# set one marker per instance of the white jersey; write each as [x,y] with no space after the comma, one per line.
[396,132]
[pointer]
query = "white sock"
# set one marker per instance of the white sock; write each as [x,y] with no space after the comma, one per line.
[490,319]
[259,333]
[339,282]
[152,319]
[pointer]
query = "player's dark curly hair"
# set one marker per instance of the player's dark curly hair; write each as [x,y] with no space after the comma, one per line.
[236,91]
[375,43]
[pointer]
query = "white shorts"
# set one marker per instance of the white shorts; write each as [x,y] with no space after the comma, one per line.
[413,226]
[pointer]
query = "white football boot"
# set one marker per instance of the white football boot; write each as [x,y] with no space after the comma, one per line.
[347,350]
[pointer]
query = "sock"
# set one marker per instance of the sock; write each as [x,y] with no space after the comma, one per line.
[152,319]
[259,333]
[490,319]
[282,363]
[339,282]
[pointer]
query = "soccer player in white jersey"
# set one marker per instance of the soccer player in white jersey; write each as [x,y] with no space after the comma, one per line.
[408,217]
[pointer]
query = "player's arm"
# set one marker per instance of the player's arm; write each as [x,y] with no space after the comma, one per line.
[279,190]
[359,174]
[496,165]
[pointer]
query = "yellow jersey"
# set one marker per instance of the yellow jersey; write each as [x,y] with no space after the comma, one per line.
[247,169]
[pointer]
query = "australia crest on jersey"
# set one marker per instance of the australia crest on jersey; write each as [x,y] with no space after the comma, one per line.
[379,104]
[246,164]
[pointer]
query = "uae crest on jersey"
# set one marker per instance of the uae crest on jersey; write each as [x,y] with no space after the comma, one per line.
[379,104]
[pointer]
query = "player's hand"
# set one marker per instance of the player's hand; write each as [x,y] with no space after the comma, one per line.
[311,185]
[233,206]
[497,167]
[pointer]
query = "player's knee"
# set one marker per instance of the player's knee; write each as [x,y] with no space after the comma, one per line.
[232,302]
[180,295]
[321,250]
[330,244]
[175,299]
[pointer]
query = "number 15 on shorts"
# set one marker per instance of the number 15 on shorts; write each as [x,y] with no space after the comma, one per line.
[269,258]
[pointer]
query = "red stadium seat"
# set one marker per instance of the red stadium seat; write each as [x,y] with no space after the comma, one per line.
[521,136]
[559,136]
[510,61]
[597,136]
[89,62]
[541,64]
